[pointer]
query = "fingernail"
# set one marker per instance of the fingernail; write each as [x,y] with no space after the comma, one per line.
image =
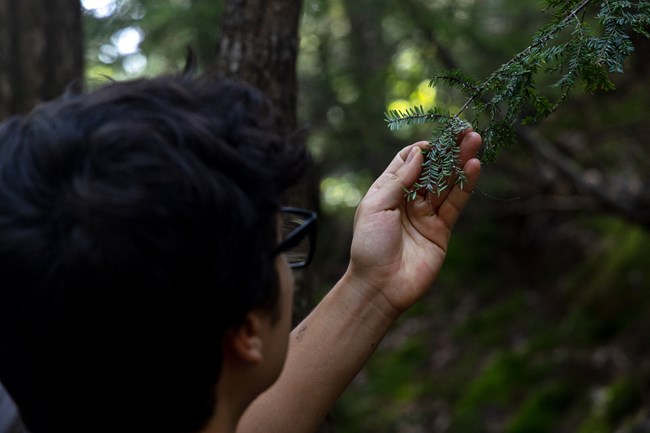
[412,153]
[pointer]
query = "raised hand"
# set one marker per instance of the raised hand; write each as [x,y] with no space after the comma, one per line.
[398,246]
[397,251]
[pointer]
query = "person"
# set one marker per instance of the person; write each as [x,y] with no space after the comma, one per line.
[9,420]
[146,263]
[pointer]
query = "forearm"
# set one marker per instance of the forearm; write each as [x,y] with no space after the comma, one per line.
[326,351]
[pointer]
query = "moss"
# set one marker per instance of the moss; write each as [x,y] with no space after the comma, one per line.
[619,406]
[542,410]
[488,324]
[624,398]
[497,386]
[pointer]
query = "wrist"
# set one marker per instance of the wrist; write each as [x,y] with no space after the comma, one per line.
[369,294]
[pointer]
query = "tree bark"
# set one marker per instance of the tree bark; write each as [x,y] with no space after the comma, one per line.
[259,45]
[41,51]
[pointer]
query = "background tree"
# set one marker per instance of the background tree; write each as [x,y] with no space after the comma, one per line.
[41,51]
[258,44]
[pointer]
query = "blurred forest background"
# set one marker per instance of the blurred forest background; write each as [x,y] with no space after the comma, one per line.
[540,321]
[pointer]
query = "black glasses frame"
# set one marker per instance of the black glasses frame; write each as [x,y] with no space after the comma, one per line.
[307,228]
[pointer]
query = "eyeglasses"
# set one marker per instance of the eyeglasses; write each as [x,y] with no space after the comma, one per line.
[298,236]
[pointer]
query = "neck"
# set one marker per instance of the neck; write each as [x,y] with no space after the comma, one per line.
[223,421]
[232,401]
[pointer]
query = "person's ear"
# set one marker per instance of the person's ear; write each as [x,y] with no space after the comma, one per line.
[246,340]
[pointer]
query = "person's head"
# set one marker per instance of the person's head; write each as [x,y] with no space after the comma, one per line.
[138,227]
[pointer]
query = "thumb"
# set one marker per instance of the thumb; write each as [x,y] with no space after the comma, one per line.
[389,189]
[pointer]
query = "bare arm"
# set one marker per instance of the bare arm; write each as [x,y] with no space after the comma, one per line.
[397,251]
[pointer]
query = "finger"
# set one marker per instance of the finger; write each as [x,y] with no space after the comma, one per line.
[402,155]
[394,166]
[388,190]
[436,227]
[451,208]
[470,144]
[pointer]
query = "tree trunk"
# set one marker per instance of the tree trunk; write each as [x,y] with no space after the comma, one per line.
[259,45]
[41,51]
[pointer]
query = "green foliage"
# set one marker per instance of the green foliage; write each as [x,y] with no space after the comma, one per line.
[414,116]
[511,93]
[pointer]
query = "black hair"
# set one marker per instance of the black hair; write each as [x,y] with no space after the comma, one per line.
[137,224]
